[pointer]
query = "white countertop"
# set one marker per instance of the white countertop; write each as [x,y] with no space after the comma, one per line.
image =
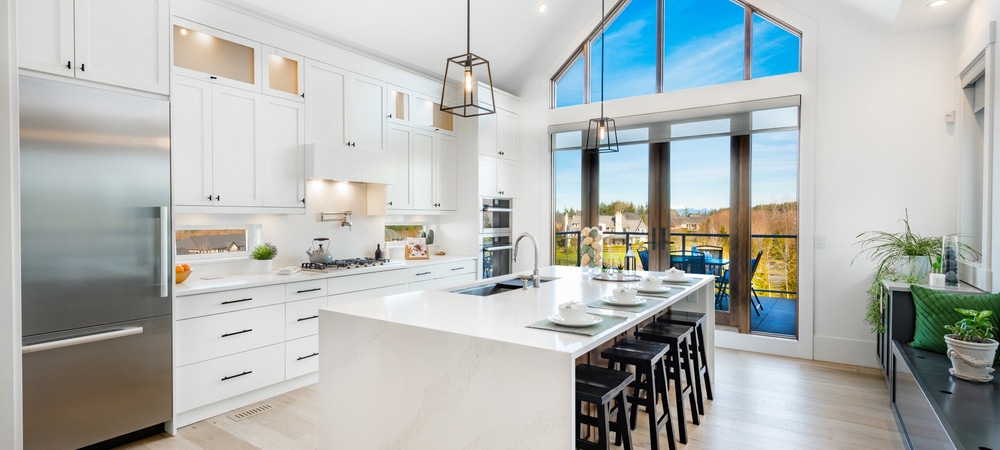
[503,317]
[195,285]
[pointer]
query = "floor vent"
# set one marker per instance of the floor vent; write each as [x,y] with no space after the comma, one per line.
[249,412]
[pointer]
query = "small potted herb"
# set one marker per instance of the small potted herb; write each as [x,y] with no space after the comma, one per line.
[972,345]
[263,256]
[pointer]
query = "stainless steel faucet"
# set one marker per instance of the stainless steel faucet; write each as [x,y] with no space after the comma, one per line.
[534,275]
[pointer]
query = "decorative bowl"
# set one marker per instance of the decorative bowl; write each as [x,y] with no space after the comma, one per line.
[181,276]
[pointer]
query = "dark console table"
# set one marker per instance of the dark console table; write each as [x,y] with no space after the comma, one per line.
[933,409]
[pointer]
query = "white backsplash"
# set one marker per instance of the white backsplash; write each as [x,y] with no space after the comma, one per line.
[293,234]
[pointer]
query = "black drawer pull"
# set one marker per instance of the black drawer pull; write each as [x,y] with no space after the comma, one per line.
[423,273]
[457,268]
[308,318]
[248,372]
[307,356]
[237,301]
[308,290]
[238,332]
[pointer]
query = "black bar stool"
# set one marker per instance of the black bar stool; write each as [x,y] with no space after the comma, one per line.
[599,386]
[678,363]
[698,350]
[650,377]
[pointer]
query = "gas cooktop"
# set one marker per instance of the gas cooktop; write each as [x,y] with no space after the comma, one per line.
[350,263]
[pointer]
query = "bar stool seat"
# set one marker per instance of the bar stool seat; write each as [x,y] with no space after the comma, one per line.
[678,365]
[600,386]
[698,350]
[650,378]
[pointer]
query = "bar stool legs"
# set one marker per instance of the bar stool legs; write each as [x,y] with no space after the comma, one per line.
[650,378]
[698,352]
[600,386]
[679,365]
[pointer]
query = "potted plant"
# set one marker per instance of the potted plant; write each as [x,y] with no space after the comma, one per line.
[972,345]
[904,256]
[263,256]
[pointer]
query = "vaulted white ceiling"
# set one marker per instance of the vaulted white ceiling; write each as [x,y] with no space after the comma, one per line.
[516,39]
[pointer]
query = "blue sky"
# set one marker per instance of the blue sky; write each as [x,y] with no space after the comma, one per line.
[703,45]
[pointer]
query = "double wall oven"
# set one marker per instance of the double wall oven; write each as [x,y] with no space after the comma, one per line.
[496,247]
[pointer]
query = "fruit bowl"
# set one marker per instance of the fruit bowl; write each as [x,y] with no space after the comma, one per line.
[181,276]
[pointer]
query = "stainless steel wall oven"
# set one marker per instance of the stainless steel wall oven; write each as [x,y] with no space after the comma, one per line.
[495,244]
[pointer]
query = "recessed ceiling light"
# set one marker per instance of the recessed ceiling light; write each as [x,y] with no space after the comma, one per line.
[937,3]
[542,7]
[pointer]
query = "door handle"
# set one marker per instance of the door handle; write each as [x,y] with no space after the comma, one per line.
[62,343]
[652,240]
[663,239]
[164,253]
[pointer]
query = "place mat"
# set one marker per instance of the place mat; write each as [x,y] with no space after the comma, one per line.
[593,330]
[687,282]
[650,303]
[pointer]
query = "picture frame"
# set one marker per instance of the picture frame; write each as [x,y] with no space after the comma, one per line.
[416,248]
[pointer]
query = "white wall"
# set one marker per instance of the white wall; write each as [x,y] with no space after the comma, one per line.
[10,238]
[874,142]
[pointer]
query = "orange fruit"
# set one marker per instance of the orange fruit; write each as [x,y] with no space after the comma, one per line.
[186,267]
[178,269]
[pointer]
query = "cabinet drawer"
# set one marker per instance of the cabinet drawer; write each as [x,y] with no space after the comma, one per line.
[301,356]
[420,285]
[340,299]
[415,274]
[217,379]
[305,289]
[226,301]
[453,268]
[360,282]
[440,283]
[302,317]
[210,337]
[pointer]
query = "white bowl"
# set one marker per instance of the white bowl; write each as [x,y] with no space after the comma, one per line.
[573,311]
[674,275]
[650,282]
[624,295]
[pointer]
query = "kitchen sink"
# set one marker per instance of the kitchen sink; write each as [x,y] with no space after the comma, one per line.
[485,290]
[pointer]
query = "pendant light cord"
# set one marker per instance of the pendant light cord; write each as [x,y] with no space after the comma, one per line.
[602,61]
[468,28]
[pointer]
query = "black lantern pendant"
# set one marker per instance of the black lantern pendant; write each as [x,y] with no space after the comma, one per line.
[466,71]
[602,136]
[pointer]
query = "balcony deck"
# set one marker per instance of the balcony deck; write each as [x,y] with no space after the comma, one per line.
[777,317]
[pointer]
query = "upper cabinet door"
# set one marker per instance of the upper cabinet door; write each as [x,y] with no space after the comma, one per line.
[205,53]
[325,101]
[235,130]
[397,194]
[445,177]
[108,41]
[507,134]
[367,114]
[283,74]
[280,168]
[191,141]
[45,36]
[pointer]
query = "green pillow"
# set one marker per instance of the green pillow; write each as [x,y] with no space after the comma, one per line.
[935,309]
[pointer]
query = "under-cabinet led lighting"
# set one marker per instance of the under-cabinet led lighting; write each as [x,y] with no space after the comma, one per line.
[937,3]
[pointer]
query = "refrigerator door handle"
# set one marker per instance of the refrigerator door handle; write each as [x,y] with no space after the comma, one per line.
[164,254]
[62,343]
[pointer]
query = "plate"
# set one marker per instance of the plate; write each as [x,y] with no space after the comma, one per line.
[611,300]
[656,290]
[685,280]
[586,322]
[289,270]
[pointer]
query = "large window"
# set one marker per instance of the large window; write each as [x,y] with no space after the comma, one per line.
[704,43]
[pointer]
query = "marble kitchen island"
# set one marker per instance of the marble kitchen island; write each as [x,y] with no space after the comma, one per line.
[437,369]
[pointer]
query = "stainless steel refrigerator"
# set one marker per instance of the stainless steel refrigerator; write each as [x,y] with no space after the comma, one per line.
[96,264]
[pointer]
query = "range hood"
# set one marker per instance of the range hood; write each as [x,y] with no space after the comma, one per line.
[340,163]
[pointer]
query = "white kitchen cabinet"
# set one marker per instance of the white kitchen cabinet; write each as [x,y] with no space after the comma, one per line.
[214,144]
[207,382]
[433,171]
[214,336]
[122,43]
[301,356]
[497,177]
[441,275]
[283,74]
[499,134]
[213,55]
[281,170]
[344,108]
[419,111]
[397,194]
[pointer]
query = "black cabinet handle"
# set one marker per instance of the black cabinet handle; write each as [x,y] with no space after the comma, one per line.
[216,198]
[237,301]
[307,318]
[307,356]
[303,201]
[248,372]
[663,239]
[237,332]
[390,203]
[457,268]
[213,77]
[303,95]
[501,153]
[308,290]
[423,273]
[83,67]
[69,64]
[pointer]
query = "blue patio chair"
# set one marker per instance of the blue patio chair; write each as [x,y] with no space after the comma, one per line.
[644,258]
[722,286]
[688,261]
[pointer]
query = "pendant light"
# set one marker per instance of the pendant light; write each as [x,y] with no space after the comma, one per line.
[602,136]
[472,69]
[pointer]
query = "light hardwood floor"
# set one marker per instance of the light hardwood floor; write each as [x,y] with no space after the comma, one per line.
[761,402]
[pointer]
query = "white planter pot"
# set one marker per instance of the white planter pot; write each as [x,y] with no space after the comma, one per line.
[914,266]
[262,266]
[971,361]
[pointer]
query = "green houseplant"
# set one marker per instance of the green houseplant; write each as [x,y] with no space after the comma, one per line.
[972,345]
[904,256]
[263,256]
